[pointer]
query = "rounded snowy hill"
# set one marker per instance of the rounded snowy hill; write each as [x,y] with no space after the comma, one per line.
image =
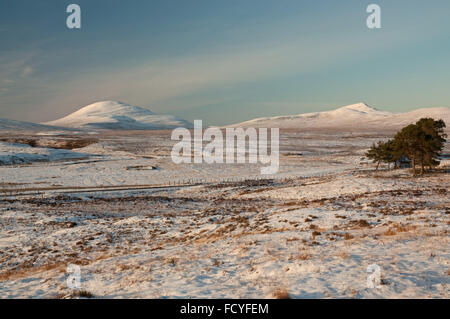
[114,115]
[355,117]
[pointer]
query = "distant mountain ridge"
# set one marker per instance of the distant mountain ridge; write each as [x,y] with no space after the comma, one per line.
[354,117]
[114,115]
[13,125]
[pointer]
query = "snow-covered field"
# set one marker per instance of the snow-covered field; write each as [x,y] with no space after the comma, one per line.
[11,153]
[140,226]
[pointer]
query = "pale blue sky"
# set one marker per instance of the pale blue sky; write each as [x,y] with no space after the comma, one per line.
[222,61]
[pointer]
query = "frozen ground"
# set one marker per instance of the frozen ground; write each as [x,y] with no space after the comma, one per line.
[126,159]
[11,153]
[310,231]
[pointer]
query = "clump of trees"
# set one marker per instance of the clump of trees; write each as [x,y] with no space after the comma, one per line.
[420,144]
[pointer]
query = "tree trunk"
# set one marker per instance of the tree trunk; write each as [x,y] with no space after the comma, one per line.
[422,169]
[378,164]
[413,163]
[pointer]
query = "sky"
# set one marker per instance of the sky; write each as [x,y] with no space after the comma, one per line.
[222,61]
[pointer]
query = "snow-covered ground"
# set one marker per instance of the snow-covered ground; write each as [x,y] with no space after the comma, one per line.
[119,161]
[11,153]
[312,230]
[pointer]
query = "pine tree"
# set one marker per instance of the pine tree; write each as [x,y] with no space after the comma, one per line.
[375,153]
[389,155]
[420,143]
[431,142]
[381,152]
[406,144]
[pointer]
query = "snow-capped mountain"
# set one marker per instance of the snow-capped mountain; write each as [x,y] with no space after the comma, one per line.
[113,115]
[351,117]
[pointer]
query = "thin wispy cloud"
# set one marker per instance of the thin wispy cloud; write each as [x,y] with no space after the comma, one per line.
[157,83]
[27,71]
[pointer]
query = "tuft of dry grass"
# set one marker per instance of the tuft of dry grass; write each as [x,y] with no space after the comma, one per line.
[398,228]
[347,236]
[57,143]
[25,271]
[304,256]
[171,261]
[123,267]
[315,233]
[343,255]
[281,293]
[82,294]
[362,223]
[73,295]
